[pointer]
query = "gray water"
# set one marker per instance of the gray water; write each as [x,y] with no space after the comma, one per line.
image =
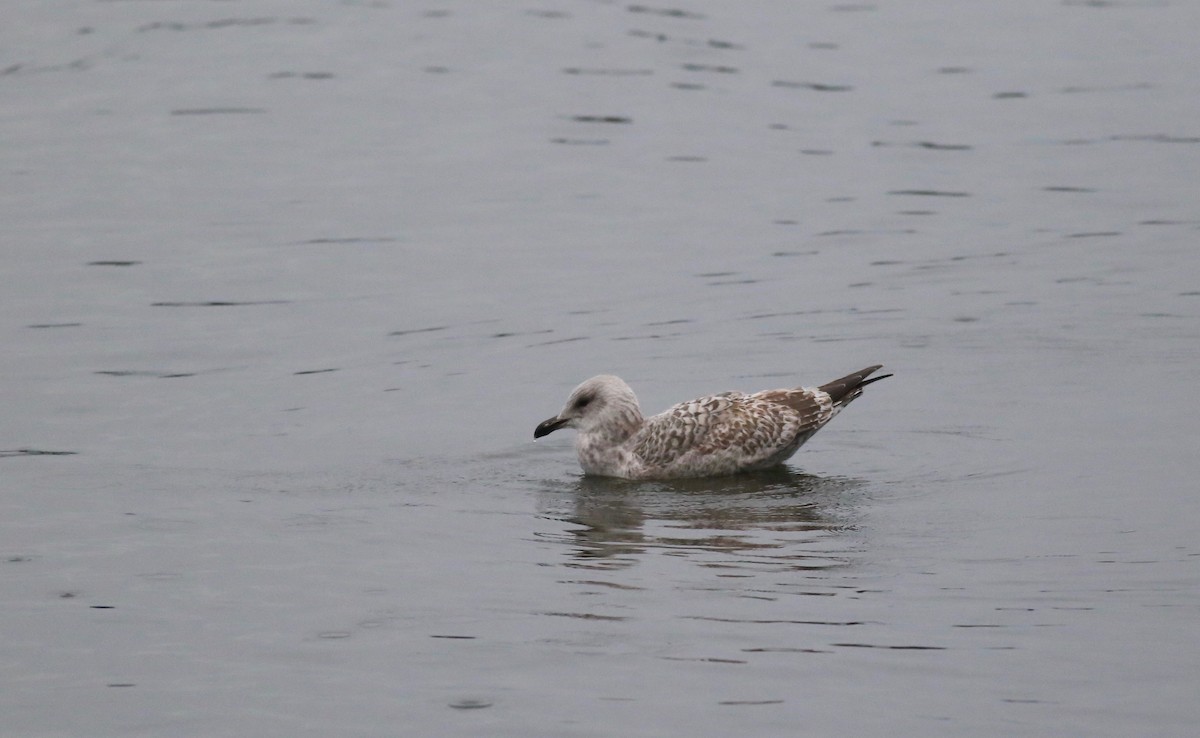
[287,285]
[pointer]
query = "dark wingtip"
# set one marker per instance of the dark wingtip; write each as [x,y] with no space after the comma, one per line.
[864,383]
[843,390]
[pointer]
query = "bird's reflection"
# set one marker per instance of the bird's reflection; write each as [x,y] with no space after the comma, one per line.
[756,518]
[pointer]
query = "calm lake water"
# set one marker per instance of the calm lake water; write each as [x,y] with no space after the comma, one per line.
[287,286]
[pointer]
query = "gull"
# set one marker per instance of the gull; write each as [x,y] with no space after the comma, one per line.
[710,436]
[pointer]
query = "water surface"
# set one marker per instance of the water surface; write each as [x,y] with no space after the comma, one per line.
[288,286]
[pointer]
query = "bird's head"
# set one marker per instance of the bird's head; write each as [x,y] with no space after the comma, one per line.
[600,402]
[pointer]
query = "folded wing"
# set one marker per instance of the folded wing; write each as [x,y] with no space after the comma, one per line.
[732,431]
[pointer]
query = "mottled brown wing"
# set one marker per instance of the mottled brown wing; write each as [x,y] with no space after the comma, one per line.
[813,408]
[747,428]
[670,434]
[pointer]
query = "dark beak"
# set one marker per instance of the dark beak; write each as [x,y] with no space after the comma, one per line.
[547,427]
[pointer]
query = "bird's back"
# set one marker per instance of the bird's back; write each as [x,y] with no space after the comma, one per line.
[730,432]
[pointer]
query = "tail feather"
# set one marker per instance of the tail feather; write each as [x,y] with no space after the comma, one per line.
[843,390]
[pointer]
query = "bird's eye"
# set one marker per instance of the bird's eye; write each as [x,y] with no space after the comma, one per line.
[583,402]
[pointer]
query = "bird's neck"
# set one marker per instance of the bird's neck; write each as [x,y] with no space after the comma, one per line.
[615,430]
[605,452]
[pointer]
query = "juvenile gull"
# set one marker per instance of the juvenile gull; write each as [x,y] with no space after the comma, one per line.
[710,436]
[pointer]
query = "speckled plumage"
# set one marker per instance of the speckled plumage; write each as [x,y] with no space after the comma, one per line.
[710,436]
